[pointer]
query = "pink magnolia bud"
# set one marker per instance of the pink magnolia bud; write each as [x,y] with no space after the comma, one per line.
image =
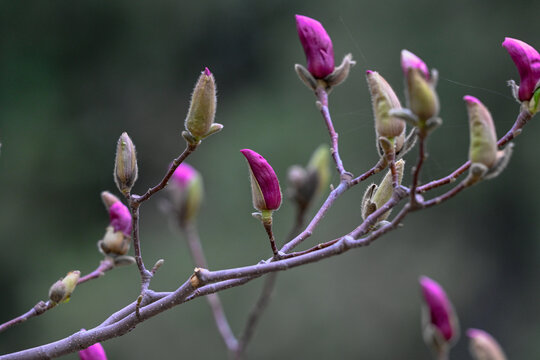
[421,95]
[527,61]
[93,352]
[264,182]
[411,61]
[120,218]
[483,346]
[317,46]
[186,191]
[441,325]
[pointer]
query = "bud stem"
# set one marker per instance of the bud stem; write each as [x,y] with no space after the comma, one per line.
[267,223]
[322,104]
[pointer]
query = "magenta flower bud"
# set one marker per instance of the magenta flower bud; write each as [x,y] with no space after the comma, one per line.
[483,346]
[186,193]
[93,352]
[120,218]
[440,327]
[264,182]
[527,61]
[317,46]
[183,174]
[411,61]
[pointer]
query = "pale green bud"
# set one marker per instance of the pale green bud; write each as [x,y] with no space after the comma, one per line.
[320,164]
[483,146]
[385,189]
[423,99]
[202,108]
[125,165]
[384,99]
[63,288]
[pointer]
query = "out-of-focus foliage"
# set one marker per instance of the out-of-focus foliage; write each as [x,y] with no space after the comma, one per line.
[75,75]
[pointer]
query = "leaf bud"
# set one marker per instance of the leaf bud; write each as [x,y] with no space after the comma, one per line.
[125,165]
[63,288]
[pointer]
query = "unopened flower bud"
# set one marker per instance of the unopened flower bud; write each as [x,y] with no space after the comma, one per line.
[63,288]
[93,352]
[202,109]
[120,218]
[440,325]
[320,164]
[383,193]
[422,97]
[483,346]
[306,184]
[317,46]
[527,61]
[108,199]
[118,234]
[483,146]
[384,99]
[125,166]
[265,189]
[186,191]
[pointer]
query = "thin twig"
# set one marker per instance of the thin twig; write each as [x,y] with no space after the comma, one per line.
[267,290]
[176,162]
[322,97]
[417,169]
[195,247]
[43,306]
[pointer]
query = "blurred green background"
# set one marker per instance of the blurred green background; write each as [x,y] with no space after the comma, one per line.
[74,75]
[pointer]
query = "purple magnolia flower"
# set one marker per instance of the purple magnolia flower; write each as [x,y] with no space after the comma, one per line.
[183,174]
[441,313]
[317,46]
[264,182]
[93,352]
[527,61]
[411,61]
[120,218]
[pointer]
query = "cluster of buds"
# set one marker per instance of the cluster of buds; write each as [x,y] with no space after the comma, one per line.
[376,196]
[61,290]
[199,121]
[527,61]
[185,193]
[93,352]
[117,237]
[305,184]
[319,53]
[441,328]
[439,321]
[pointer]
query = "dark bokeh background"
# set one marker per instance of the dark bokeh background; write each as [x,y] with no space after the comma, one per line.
[74,75]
